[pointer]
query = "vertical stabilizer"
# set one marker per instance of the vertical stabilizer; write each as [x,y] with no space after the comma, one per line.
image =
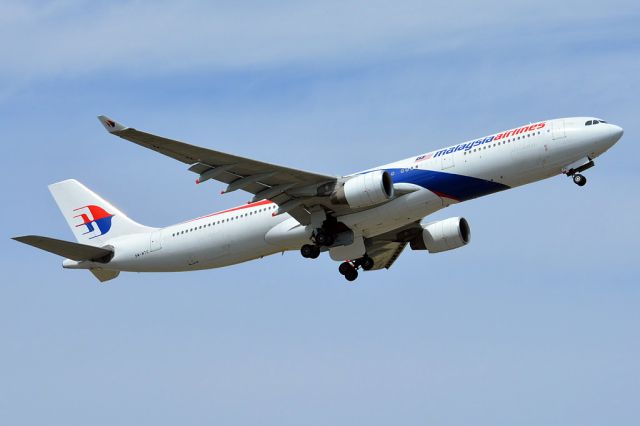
[92,219]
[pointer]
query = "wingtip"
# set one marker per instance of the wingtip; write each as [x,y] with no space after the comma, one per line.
[22,238]
[111,125]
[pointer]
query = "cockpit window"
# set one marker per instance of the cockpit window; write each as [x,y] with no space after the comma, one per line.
[590,122]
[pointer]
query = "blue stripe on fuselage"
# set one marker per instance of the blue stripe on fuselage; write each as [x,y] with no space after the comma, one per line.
[454,186]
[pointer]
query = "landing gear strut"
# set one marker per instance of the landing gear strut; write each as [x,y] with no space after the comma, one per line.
[350,269]
[573,170]
[579,180]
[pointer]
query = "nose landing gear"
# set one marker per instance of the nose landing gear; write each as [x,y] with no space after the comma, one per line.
[579,180]
[573,170]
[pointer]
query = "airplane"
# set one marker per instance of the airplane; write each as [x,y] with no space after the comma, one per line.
[363,220]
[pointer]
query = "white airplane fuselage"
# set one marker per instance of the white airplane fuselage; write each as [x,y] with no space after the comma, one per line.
[436,179]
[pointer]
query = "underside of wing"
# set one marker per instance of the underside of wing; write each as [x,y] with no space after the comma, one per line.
[384,253]
[386,248]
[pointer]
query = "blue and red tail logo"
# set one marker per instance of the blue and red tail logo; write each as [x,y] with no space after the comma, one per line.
[96,219]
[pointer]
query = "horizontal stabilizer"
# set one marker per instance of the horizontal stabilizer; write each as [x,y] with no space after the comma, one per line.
[67,249]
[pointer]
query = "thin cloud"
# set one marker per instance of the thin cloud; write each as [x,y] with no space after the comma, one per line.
[77,37]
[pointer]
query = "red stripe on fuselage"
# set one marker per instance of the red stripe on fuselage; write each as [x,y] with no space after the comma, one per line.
[247,206]
[443,195]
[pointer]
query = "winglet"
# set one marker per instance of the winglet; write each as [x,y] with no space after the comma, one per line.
[112,126]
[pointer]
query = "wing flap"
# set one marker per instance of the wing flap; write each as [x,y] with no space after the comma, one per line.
[385,249]
[384,253]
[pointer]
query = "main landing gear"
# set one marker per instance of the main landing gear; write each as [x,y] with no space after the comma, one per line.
[350,268]
[321,238]
[309,251]
[324,238]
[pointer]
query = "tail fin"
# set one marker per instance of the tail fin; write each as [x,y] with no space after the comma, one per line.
[92,219]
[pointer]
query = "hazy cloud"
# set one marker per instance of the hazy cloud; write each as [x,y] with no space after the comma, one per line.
[60,37]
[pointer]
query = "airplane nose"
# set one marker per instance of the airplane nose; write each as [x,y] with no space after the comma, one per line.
[617,132]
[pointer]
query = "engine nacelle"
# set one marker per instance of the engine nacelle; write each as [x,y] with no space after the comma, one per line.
[443,235]
[367,189]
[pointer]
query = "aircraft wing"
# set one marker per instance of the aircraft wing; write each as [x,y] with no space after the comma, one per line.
[291,189]
[385,249]
[384,253]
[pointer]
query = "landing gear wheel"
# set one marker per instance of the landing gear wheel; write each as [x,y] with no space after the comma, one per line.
[352,274]
[323,238]
[310,252]
[367,263]
[579,180]
[348,270]
[306,250]
[345,267]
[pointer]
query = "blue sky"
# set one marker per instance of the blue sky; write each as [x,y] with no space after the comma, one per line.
[535,322]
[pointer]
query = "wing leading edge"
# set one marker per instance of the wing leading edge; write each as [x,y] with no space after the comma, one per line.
[291,189]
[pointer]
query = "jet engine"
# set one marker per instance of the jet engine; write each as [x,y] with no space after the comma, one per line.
[364,190]
[442,235]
